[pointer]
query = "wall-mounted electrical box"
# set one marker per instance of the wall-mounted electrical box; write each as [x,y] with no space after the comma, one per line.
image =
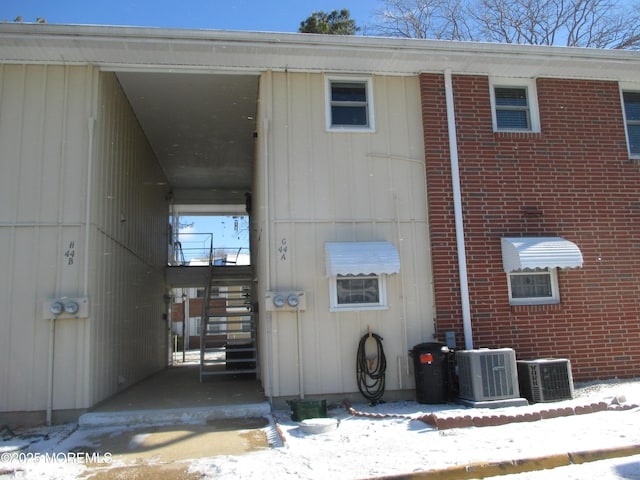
[288,300]
[65,307]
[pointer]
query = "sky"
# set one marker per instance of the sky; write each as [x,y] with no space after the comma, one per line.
[229,233]
[253,15]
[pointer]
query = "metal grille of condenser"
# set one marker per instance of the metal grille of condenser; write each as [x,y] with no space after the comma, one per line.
[545,379]
[487,374]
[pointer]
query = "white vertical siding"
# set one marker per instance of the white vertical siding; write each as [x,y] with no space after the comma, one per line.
[128,249]
[43,152]
[314,186]
[45,145]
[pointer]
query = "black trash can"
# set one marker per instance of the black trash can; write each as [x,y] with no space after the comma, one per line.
[431,368]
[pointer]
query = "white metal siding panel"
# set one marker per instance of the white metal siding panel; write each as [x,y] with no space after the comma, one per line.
[128,251]
[315,187]
[539,252]
[43,145]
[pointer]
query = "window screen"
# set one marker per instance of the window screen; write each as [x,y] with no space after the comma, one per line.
[357,290]
[531,286]
[349,104]
[512,108]
[632,116]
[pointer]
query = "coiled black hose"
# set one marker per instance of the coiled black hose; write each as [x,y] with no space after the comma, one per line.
[371,372]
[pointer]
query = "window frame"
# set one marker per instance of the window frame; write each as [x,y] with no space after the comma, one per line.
[334,306]
[554,299]
[529,85]
[195,322]
[368,85]
[636,90]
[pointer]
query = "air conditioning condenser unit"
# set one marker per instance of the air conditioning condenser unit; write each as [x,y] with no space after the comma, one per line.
[487,374]
[545,379]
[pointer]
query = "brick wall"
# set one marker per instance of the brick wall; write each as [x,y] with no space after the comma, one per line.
[195,309]
[572,180]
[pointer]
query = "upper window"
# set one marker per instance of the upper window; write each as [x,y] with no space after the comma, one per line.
[358,292]
[349,104]
[514,107]
[632,118]
[533,287]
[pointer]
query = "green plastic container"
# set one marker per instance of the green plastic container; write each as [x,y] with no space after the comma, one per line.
[303,409]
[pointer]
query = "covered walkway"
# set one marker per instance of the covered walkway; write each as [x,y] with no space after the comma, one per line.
[176,395]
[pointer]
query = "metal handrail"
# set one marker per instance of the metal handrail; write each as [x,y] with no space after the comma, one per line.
[197,249]
[229,256]
[193,248]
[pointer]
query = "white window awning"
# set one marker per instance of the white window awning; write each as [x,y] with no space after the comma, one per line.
[361,258]
[539,252]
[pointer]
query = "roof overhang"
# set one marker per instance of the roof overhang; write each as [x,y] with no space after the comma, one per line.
[136,48]
[361,258]
[522,253]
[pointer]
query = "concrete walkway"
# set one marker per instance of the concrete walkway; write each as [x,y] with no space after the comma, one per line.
[175,396]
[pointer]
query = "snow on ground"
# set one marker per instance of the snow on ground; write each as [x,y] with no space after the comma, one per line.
[364,447]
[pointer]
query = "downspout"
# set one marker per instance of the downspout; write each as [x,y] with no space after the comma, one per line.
[52,337]
[94,78]
[87,219]
[300,354]
[267,258]
[457,207]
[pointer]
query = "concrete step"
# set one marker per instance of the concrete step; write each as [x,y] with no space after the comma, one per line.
[173,416]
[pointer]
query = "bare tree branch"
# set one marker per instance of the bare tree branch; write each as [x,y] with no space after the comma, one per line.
[437,19]
[575,23]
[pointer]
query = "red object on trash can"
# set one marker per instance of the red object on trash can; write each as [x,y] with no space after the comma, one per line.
[426,358]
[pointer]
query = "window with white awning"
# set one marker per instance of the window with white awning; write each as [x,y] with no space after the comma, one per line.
[358,271]
[531,265]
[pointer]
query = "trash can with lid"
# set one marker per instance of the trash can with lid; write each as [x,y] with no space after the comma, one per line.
[431,368]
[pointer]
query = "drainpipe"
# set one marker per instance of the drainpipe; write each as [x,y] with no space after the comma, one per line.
[87,220]
[52,337]
[457,206]
[300,355]
[267,235]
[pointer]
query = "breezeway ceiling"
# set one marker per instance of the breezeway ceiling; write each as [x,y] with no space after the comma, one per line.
[201,127]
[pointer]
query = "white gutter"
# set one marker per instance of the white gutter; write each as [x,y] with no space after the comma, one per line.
[136,49]
[457,207]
